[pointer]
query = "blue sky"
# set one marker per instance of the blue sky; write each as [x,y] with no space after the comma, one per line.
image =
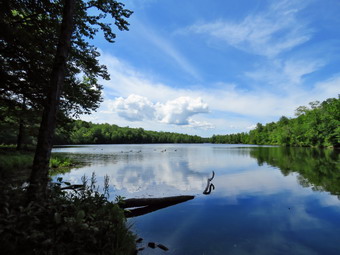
[218,67]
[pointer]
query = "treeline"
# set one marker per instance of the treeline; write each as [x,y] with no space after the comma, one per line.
[316,125]
[81,132]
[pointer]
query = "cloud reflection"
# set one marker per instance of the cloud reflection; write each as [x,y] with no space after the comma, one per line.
[166,170]
[158,170]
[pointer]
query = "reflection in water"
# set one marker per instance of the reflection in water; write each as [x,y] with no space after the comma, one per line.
[256,209]
[167,170]
[138,171]
[158,170]
[316,168]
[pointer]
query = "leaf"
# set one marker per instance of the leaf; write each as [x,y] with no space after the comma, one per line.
[57,218]
[80,215]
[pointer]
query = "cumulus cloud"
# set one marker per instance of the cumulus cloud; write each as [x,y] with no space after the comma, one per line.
[229,105]
[178,111]
[133,108]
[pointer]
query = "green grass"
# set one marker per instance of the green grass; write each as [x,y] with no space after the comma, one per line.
[61,161]
[7,146]
[15,160]
[19,163]
[15,165]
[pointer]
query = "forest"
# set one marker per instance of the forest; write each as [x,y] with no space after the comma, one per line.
[317,125]
[81,132]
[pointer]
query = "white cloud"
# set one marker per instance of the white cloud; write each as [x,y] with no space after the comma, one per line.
[177,111]
[268,33]
[158,105]
[251,127]
[133,108]
[168,49]
[295,70]
[125,80]
[328,87]
[200,124]
[285,74]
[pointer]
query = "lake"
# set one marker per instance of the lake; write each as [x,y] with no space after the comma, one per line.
[267,200]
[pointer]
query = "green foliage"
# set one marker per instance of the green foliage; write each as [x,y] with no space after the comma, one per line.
[19,163]
[60,161]
[14,164]
[67,222]
[60,164]
[317,168]
[318,125]
[82,132]
[29,33]
[14,160]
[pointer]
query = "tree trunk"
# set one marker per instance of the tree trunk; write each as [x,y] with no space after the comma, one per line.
[20,136]
[39,175]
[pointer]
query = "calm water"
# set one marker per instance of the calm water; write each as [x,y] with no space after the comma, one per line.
[268,200]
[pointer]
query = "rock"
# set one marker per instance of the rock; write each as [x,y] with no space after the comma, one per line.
[161,246]
[152,245]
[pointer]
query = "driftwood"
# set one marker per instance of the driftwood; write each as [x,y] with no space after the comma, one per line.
[137,202]
[74,187]
[209,186]
[147,205]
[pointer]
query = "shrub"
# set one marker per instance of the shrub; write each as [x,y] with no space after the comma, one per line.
[67,222]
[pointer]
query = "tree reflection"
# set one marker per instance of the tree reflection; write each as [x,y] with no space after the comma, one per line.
[317,168]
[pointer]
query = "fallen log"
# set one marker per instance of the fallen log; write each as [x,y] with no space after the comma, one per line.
[138,202]
[143,206]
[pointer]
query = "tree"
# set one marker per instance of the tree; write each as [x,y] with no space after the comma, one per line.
[39,175]
[52,36]
[318,125]
[29,33]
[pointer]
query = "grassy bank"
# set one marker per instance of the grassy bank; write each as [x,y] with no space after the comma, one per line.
[10,160]
[15,166]
[18,164]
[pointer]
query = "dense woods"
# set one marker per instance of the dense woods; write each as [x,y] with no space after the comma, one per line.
[316,125]
[81,132]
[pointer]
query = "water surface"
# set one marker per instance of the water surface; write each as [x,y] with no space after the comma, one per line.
[268,200]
